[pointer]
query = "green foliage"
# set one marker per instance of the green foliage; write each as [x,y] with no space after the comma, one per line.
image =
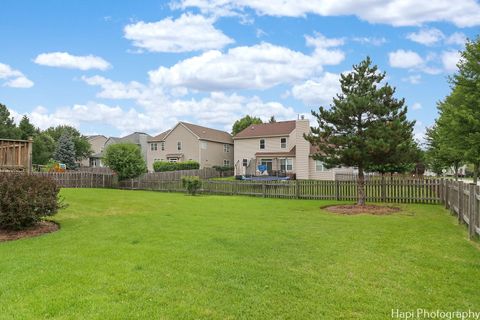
[244,123]
[125,159]
[27,129]
[43,148]
[366,126]
[162,166]
[82,146]
[65,151]
[26,199]
[223,168]
[8,129]
[191,184]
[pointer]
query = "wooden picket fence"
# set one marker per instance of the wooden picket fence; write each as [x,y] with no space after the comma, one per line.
[396,191]
[463,200]
[81,179]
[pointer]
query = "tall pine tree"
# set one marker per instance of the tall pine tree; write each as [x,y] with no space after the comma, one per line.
[365,125]
[65,151]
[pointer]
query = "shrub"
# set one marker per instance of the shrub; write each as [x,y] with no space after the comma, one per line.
[162,166]
[125,159]
[192,184]
[26,199]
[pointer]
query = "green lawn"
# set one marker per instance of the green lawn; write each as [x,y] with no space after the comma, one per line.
[150,255]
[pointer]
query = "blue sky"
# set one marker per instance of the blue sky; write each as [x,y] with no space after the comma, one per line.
[113,67]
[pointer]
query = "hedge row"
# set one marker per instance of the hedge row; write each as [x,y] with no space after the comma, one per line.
[162,166]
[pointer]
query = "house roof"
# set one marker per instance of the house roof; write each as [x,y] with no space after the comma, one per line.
[290,153]
[159,137]
[266,130]
[202,133]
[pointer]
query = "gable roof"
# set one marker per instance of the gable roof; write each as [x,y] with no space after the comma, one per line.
[200,132]
[266,130]
[159,137]
[204,133]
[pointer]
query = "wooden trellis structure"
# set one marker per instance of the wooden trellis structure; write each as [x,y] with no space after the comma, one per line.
[16,155]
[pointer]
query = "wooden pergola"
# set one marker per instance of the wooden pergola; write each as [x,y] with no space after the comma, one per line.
[16,155]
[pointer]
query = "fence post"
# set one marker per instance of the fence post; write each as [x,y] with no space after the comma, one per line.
[447,194]
[264,189]
[460,201]
[383,189]
[337,190]
[471,211]
[297,189]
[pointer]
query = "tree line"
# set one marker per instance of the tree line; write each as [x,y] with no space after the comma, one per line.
[63,144]
[454,139]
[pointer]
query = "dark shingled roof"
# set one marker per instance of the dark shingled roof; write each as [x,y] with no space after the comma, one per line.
[266,130]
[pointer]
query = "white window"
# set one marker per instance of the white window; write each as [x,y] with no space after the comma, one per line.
[283,143]
[162,146]
[153,147]
[226,148]
[172,159]
[245,162]
[286,164]
[204,145]
[319,166]
[179,145]
[262,143]
[226,162]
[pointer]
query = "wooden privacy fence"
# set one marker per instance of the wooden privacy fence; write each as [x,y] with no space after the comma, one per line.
[205,173]
[81,179]
[463,200]
[15,155]
[397,191]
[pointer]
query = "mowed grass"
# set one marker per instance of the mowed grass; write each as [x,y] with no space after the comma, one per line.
[149,255]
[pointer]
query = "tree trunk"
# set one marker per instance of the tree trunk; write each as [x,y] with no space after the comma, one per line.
[475,173]
[360,187]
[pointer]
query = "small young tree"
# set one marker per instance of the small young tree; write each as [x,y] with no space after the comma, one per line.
[65,151]
[191,184]
[27,129]
[125,159]
[365,125]
[244,123]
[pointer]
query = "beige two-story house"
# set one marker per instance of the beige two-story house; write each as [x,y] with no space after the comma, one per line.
[97,143]
[186,141]
[282,149]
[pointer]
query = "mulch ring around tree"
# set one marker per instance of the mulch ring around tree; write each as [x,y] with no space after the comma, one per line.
[349,209]
[34,231]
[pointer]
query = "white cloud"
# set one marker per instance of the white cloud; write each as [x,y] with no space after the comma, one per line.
[324,48]
[374,41]
[413,79]
[260,66]
[317,91]
[416,106]
[115,90]
[457,38]
[464,13]
[405,59]
[66,60]
[450,60]
[187,33]
[13,78]
[427,37]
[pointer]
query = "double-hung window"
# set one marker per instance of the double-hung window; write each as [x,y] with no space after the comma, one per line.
[283,143]
[262,143]
[153,146]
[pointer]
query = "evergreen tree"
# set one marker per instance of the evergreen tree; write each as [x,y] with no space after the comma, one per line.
[82,146]
[365,126]
[65,151]
[27,129]
[8,129]
[244,123]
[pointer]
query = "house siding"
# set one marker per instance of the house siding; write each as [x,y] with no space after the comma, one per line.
[96,145]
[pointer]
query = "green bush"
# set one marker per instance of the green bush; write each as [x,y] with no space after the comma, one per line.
[26,199]
[162,166]
[191,184]
[125,159]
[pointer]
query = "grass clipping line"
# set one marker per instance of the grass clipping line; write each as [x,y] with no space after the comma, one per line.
[350,209]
